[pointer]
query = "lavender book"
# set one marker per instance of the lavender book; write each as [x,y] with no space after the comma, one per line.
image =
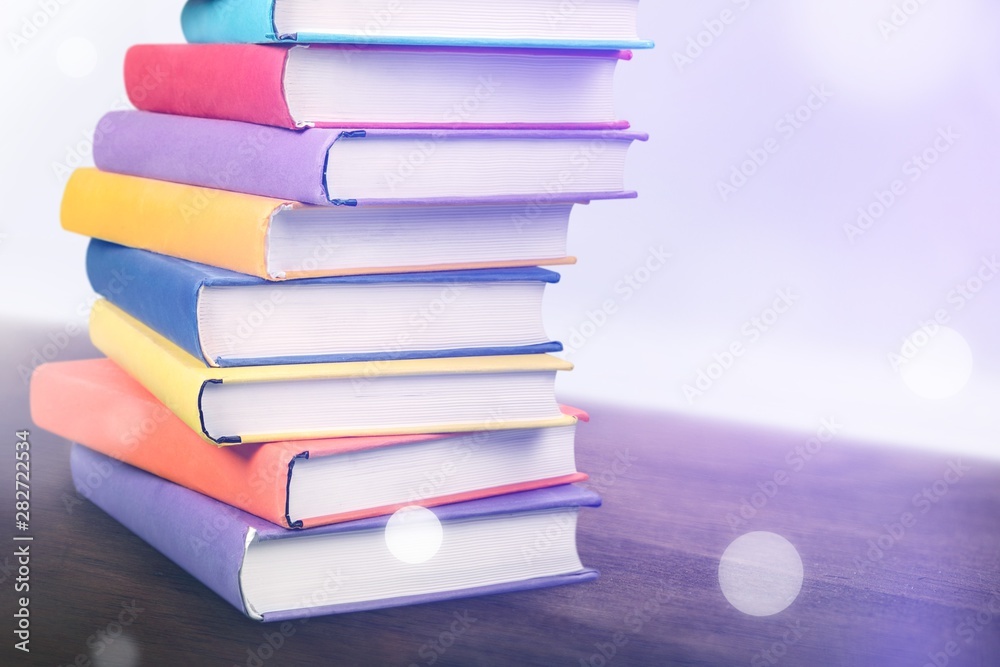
[519,541]
[373,166]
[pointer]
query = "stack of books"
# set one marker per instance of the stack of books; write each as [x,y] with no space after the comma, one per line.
[321,268]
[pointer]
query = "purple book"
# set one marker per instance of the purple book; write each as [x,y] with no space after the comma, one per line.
[519,541]
[367,167]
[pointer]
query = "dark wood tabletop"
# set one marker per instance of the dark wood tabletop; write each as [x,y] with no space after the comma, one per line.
[875,592]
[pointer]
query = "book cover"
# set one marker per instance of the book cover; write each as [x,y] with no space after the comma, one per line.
[97,404]
[179,380]
[164,294]
[210,539]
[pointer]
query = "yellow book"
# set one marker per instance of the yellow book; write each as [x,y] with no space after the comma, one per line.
[277,239]
[215,227]
[305,401]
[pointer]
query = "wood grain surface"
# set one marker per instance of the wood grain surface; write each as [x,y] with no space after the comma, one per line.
[673,488]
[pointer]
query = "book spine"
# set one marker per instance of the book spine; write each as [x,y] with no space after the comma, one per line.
[208,21]
[226,81]
[74,399]
[227,155]
[161,293]
[164,369]
[203,536]
[215,227]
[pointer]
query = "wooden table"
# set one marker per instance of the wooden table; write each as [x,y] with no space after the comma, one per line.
[97,590]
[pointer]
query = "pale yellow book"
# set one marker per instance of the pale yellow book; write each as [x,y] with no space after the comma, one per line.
[305,401]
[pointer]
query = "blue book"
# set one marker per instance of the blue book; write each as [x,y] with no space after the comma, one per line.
[595,24]
[231,319]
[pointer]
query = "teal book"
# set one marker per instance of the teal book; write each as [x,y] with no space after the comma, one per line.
[587,24]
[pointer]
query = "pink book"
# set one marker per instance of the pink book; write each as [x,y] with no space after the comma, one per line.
[344,86]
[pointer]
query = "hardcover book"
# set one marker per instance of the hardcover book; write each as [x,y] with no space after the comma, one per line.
[345,87]
[535,23]
[278,240]
[230,319]
[305,401]
[296,484]
[366,167]
[273,574]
